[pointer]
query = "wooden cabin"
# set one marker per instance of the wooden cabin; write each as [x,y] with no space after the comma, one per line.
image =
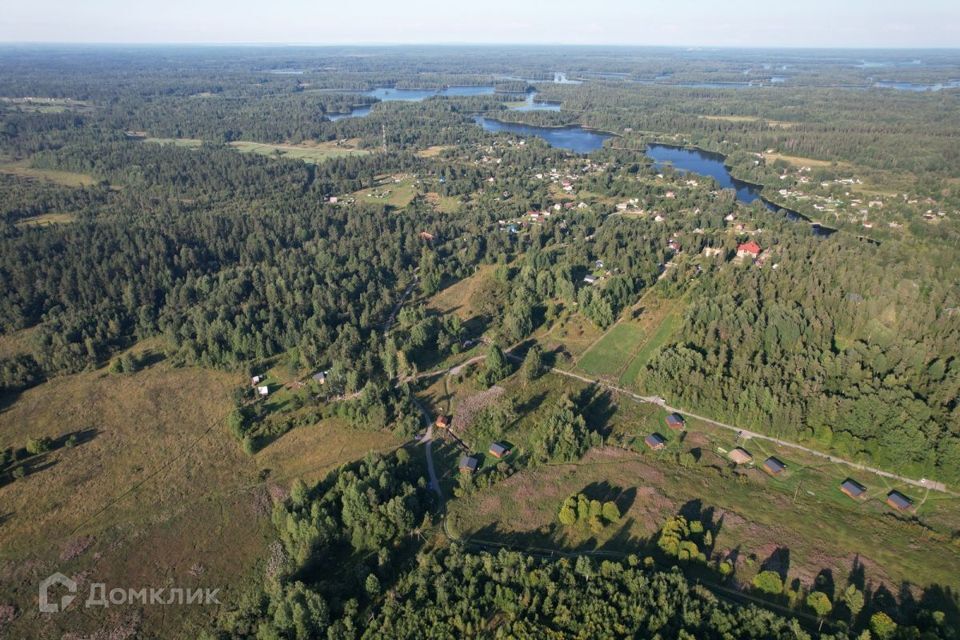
[740,456]
[853,489]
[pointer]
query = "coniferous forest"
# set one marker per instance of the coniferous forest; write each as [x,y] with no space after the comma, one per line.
[326,258]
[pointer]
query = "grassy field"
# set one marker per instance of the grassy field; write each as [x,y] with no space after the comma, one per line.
[609,355]
[310,152]
[23,169]
[458,297]
[633,374]
[801,519]
[434,151]
[621,354]
[47,219]
[569,337]
[154,492]
[313,153]
[443,204]
[179,142]
[393,191]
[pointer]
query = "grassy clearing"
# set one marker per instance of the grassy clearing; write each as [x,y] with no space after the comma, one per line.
[434,151]
[313,153]
[312,452]
[177,142]
[47,219]
[443,204]
[23,169]
[155,492]
[633,374]
[753,513]
[612,352]
[15,343]
[393,191]
[569,337]
[459,298]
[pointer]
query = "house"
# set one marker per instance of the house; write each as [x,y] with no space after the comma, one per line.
[263,390]
[321,377]
[468,464]
[740,456]
[675,421]
[590,279]
[498,450]
[426,235]
[853,489]
[899,501]
[773,466]
[332,199]
[750,248]
[443,422]
[655,441]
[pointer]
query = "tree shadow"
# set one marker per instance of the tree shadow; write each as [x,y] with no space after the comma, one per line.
[779,562]
[825,583]
[597,408]
[530,405]
[605,492]
[77,438]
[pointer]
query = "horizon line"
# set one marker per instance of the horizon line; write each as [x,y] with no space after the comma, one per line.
[280,44]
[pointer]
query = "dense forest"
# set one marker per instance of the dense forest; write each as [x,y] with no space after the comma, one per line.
[130,210]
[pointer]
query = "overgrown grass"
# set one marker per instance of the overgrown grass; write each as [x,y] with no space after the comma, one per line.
[612,352]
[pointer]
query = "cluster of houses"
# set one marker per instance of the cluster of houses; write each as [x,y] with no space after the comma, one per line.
[775,467]
[260,389]
[468,463]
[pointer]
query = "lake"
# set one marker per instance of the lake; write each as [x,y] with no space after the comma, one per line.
[704,163]
[390,94]
[575,138]
[356,112]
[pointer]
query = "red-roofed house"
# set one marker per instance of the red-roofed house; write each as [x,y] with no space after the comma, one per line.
[749,248]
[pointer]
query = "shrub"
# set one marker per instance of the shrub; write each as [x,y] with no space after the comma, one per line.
[820,603]
[768,582]
[39,445]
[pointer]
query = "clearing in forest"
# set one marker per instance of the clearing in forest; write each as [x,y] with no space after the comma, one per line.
[23,169]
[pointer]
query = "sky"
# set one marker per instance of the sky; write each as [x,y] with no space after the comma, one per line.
[733,23]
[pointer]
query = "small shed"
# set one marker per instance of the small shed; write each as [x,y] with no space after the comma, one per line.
[443,422]
[773,466]
[263,390]
[498,450]
[899,501]
[853,489]
[468,464]
[675,421]
[740,456]
[255,380]
[590,279]
[655,441]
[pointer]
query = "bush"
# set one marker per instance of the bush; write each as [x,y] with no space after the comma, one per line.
[39,445]
[882,625]
[820,603]
[768,582]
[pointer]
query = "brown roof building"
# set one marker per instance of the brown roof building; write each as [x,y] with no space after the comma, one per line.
[773,466]
[899,501]
[740,456]
[853,489]
[655,441]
